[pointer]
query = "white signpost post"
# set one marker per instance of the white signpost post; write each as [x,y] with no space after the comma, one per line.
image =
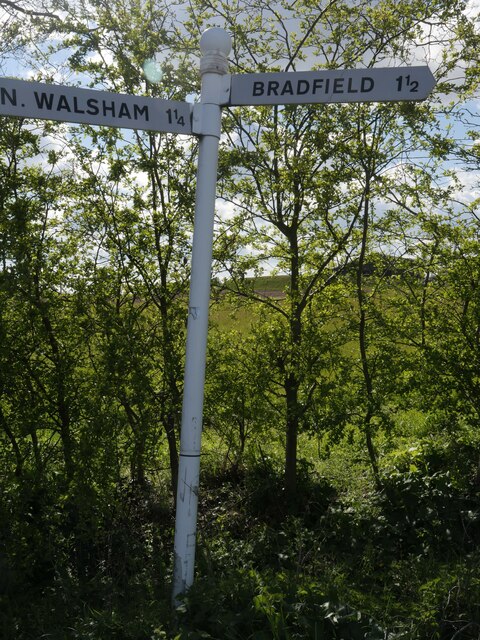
[70,104]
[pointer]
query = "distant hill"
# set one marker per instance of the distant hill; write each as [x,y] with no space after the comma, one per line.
[268,286]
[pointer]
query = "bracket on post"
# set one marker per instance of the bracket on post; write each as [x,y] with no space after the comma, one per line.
[205,120]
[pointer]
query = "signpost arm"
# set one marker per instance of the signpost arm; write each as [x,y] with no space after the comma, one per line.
[215,45]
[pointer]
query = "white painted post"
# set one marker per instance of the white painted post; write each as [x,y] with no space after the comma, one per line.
[215,45]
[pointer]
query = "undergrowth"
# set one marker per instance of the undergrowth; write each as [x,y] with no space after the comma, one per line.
[343,561]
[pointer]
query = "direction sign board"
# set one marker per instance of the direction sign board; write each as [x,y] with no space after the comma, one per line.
[27,99]
[388,84]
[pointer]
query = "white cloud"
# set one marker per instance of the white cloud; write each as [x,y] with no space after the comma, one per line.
[104,57]
[473,8]
[470,187]
[225,210]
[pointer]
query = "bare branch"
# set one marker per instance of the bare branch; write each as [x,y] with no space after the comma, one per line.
[18,7]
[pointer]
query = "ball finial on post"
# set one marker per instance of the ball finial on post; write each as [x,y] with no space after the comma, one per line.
[216,39]
[215,45]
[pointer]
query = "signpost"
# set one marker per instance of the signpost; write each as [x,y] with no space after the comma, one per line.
[70,104]
[89,106]
[388,84]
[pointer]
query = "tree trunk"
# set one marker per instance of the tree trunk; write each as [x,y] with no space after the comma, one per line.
[291,391]
[292,373]
[362,339]
[171,433]
[62,407]
[14,443]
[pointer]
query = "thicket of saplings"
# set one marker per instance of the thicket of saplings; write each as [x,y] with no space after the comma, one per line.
[87,547]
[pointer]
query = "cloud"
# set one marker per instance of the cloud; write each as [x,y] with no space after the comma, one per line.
[224,210]
[472,9]
[469,190]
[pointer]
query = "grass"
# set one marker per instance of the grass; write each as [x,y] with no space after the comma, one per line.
[264,283]
[227,316]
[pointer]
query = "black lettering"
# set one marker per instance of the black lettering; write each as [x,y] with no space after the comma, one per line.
[108,108]
[272,88]
[124,112]
[366,85]
[92,107]
[44,100]
[258,88]
[350,86]
[140,111]
[287,88]
[4,95]
[63,104]
[302,87]
[317,84]
[338,85]
[76,109]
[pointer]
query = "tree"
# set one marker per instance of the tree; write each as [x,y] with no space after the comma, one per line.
[292,173]
[237,408]
[451,340]
[36,268]
[144,224]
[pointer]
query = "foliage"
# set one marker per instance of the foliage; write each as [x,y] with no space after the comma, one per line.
[368,349]
[248,605]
